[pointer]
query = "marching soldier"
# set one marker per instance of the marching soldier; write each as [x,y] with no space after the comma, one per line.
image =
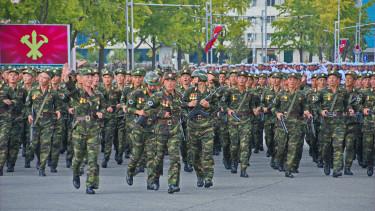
[166,105]
[290,108]
[43,110]
[240,104]
[334,103]
[199,102]
[86,105]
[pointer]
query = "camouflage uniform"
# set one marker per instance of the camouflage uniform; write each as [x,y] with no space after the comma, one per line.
[11,124]
[333,127]
[239,131]
[43,131]
[167,134]
[201,136]
[369,130]
[85,133]
[258,123]
[125,126]
[289,145]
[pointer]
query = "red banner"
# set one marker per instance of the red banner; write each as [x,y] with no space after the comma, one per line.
[342,46]
[34,44]
[212,41]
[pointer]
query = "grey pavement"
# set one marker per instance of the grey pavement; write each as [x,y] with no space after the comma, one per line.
[264,190]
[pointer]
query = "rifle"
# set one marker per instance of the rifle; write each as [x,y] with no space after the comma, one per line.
[224,116]
[197,110]
[32,126]
[311,126]
[283,125]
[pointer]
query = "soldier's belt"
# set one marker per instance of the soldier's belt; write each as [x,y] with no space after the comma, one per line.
[47,114]
[86,118]
[168,122]
[242,114]
[199,118]
[335,114]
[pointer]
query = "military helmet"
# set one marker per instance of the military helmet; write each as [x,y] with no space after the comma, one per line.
[201,74]
[152,78]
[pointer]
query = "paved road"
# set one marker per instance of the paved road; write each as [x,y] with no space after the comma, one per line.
[265,189]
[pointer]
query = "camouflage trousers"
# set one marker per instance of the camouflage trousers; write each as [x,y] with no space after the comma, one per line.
[86,145]
[166,136]
[56,142]
[239,133]
[289,146]
[269,132]
[333,134]
[201,135]
[120,137]
[258,134]
[41,144]
[124,134]
[143,145]
[225,141]
[368,153]
[185,147]
[313,141]
[350,140]
[9,142]
[69,143]
[109,136]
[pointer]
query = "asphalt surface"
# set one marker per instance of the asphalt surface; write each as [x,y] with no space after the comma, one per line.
[265,189]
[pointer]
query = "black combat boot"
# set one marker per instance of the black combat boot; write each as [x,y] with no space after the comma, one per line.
[244,173]
[90,190]
[53,170]
[226,163]
[337,174]
[200,182]
[327,169]
[42,173]
[347,171]
[76,182]
[208,183]
[234,167]
[173,188]
[129,179]
[10,168]
[187,167]
[68,163]
[370,171]
[27,164]
[104,163]
[288,174]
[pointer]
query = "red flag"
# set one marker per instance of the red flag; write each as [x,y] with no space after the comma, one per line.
[342,46]
[212,41]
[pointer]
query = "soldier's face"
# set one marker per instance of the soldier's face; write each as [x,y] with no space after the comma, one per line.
[233,79]
[322,82]
[185,79]
[137,80]
[349,80]
[372,81]
[169,85]
[277,81]
[262,81]
[332,80]
[241,80]
[292,82]
[27,78]
[210,78]
[56,80]
[250,82]
[43,79]
[12,77]
[365,82]
[87,80]
[120,78]
[221,78]
[107,80]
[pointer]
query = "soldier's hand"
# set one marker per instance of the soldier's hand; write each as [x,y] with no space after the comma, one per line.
[30,119]
[265,109]
[324,113]
[307,114]
[58,114]
[351,112]
[256,111]
[124,109]
[192,103]
[204,103]
[110,109]
[71,110]
[7,101]
[279,115]
[99,115]
[167,115]
[118,106]
[366,111]
[140,112]
[230,112]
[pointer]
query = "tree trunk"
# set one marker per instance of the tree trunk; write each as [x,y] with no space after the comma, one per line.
[179,58]
[73,38]
[320,49]
[300,50]
[310,56]
[101,59]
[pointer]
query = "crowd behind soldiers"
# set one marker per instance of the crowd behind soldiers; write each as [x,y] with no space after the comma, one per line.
[191,115]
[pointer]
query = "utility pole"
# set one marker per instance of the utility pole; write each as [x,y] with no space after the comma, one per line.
[265,33]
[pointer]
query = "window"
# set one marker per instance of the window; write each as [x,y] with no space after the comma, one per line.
[270,2]
[270,19]
[252,20]
[269,36]
[254,3]
[251,37]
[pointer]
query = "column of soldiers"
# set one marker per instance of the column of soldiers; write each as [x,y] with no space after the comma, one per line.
[192,114]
